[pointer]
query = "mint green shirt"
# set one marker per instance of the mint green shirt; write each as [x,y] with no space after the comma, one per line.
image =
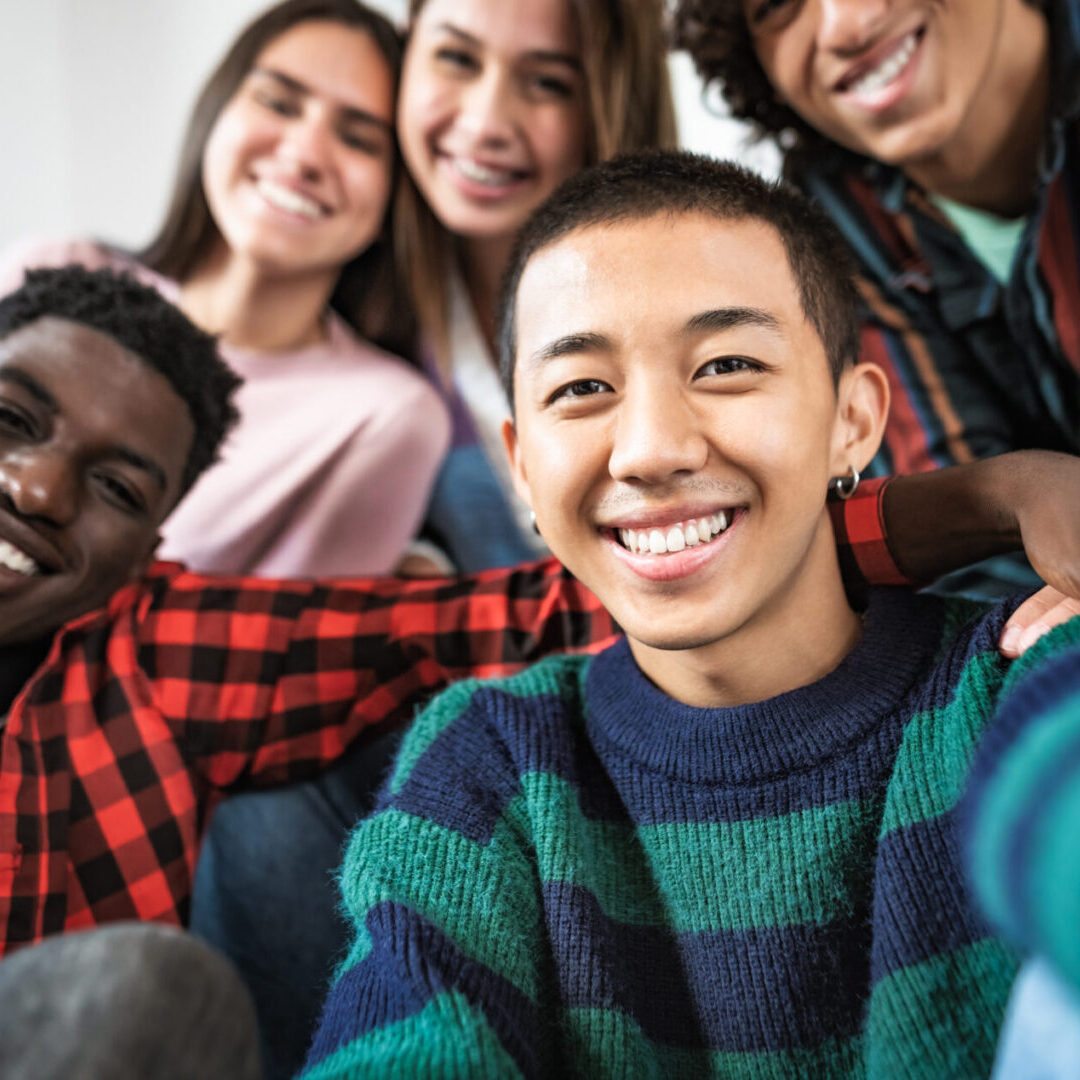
[993,239]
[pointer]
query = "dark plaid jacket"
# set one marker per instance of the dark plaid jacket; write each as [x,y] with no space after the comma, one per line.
[186,686]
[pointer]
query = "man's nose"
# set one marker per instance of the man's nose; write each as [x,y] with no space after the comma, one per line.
[845,26]
[657,436]
[40,483]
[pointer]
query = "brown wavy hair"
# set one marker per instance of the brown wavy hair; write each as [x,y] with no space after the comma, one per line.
[369,295]
[629,107]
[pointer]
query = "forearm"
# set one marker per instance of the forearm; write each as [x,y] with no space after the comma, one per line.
[939,521]
[271,679]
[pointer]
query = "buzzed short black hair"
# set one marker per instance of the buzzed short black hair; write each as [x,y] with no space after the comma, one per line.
[668,182]
[140,319]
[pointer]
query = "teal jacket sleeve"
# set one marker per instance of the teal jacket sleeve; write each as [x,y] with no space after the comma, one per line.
[1021,814]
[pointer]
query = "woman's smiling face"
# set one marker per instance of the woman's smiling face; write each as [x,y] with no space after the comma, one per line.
[491,116]
[297,170]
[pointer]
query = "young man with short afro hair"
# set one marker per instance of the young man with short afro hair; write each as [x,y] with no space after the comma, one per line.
[146,324]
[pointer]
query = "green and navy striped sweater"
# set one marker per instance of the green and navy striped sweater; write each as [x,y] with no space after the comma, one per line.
[570,873]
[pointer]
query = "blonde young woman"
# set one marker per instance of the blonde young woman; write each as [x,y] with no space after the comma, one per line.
[499,103]
[276,239]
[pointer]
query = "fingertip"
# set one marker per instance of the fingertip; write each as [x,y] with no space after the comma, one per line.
[1031,635]
[1010,640]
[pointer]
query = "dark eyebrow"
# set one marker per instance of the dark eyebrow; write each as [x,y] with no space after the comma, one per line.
[544,55]
[349,112]
[729,317]
[570,345]
[13,374]
[716,319]
[139,461]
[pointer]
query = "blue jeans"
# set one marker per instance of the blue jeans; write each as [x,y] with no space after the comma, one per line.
[1040,1039]
[266,894]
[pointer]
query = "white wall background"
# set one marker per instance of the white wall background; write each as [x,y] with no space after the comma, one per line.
[94,96]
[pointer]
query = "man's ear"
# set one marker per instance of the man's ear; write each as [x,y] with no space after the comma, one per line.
[862,408]
[517,466]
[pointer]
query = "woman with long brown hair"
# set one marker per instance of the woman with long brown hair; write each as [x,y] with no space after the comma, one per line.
[276,239]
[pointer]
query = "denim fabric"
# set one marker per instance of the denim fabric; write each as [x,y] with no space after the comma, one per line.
[266,896]
[1040,1039]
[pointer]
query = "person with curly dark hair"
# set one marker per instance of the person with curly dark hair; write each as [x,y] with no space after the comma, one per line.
[942,139]
[140,320]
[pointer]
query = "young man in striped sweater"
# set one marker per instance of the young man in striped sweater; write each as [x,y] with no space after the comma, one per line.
[726,845]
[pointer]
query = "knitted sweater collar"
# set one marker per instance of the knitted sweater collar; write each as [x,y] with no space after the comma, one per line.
[629,715]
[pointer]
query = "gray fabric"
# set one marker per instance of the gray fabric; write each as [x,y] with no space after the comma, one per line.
[130,1001]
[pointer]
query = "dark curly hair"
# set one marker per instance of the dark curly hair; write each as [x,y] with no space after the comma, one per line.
[715,34]
[141,320]
[669,182]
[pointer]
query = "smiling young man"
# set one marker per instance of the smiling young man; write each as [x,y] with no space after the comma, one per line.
[135,695]
[726,845]
[941,138]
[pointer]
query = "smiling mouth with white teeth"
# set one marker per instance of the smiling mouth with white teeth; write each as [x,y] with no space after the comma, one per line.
[284,198]
[677,537]
[883,73]
[11,558]
[485,174]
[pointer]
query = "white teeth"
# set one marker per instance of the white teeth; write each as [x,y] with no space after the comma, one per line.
[18,561]
[888,69]
[482,174]
[676,537]
[285,198]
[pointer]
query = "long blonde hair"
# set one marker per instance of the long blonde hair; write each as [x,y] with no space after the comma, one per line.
[629,107]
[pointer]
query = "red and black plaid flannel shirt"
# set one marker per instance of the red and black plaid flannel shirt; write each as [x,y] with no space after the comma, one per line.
[116,750]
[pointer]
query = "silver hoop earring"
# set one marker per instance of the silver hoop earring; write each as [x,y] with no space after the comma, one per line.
[532,518]
[845,486]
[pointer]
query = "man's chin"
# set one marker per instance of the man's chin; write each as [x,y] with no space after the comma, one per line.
[668,632]
[675,642]
[20,623]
